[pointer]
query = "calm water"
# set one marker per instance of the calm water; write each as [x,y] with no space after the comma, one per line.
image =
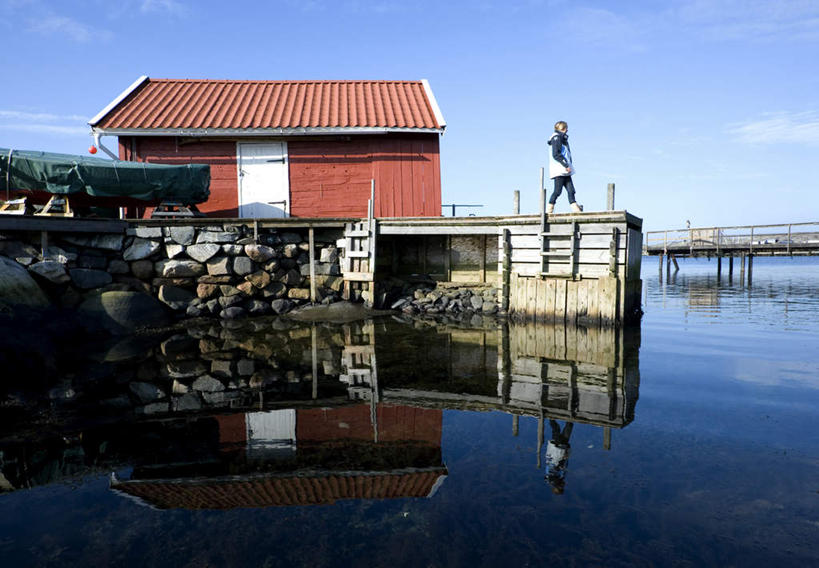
[690,441]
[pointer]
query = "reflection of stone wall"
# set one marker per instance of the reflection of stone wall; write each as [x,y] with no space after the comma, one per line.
[198,270]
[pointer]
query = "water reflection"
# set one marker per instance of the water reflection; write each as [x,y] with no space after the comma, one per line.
[271,413]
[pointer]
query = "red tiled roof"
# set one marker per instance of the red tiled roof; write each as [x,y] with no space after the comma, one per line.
[278,491]
[226,104]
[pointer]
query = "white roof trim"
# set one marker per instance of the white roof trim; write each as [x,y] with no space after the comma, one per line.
[302,131]
[117,100]
[436,110]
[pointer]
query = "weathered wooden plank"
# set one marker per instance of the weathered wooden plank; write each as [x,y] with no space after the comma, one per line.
[549,310]
[592,298]
[571,301]
[607,300]
[582,300]
[358,276]
[540,299]
[565,228]
[584,270]
[357,254]
[585,241]
[560,301]
[584,256]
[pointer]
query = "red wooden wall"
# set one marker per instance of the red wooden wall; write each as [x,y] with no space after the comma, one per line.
[332,178]
[221,156]
[328,177]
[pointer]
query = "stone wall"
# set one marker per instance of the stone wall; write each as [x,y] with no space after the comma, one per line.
[213,270]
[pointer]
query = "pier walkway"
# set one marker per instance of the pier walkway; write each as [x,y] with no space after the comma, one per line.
[743,241]
[761,240]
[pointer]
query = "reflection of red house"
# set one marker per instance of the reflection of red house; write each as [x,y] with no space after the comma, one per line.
[336,432]
[282,148]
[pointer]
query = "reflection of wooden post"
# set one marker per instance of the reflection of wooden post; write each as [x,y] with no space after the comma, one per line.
[539,437]
[742,268]
[506,364]
[750,267]
[312,242]
[730,266]
[719,266]
[315,355]
[515,424]
[606,437]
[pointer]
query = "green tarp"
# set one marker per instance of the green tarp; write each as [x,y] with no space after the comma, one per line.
[66,174]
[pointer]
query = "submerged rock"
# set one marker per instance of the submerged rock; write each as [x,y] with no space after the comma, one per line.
[120,312]
[339,312]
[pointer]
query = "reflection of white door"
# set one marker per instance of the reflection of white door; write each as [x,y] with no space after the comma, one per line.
[264,188]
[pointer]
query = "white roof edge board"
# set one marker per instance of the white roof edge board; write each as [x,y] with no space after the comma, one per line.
[117,100]
[298,131]
[436,110]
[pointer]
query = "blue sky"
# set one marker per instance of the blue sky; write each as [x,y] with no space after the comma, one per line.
[705,111]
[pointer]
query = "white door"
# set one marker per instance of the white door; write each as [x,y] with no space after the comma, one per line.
[264,188]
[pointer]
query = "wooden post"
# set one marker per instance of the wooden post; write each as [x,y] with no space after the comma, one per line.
[448,258]
[517,202]
[730,266]
[483,258]
[312,242]
[719,266]
[610,198]
[507,269]
[660,256]
[674,260]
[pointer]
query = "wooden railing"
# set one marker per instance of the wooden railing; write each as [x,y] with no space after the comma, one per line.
[751,239]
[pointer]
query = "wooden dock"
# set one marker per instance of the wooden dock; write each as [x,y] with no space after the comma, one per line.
[574,268]
[743,242]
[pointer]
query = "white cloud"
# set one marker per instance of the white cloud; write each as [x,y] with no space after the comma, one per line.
[55,129]
[62,25]
[43,122]
[602,28]
[780,127]
[163,6]
[39,116]
[760,20]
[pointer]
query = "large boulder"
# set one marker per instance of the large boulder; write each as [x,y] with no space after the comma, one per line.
[18,288]
[139,249]
[203,252]
[51,270]
[182,268]
[122,312]
[174,297]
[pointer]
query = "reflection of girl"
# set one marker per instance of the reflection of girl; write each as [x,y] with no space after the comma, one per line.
[557,456]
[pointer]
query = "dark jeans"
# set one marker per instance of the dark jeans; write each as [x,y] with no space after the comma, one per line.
[560,183]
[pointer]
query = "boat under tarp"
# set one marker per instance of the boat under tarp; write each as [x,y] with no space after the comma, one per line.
[98,181]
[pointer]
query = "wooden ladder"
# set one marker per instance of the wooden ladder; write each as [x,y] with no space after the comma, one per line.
[547,238]
[358,262]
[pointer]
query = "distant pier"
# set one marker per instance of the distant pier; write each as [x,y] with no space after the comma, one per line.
[742,242]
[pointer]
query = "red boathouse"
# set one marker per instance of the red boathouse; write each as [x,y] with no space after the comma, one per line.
[289,148]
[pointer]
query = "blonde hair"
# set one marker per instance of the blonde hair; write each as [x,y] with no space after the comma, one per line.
[561,125]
